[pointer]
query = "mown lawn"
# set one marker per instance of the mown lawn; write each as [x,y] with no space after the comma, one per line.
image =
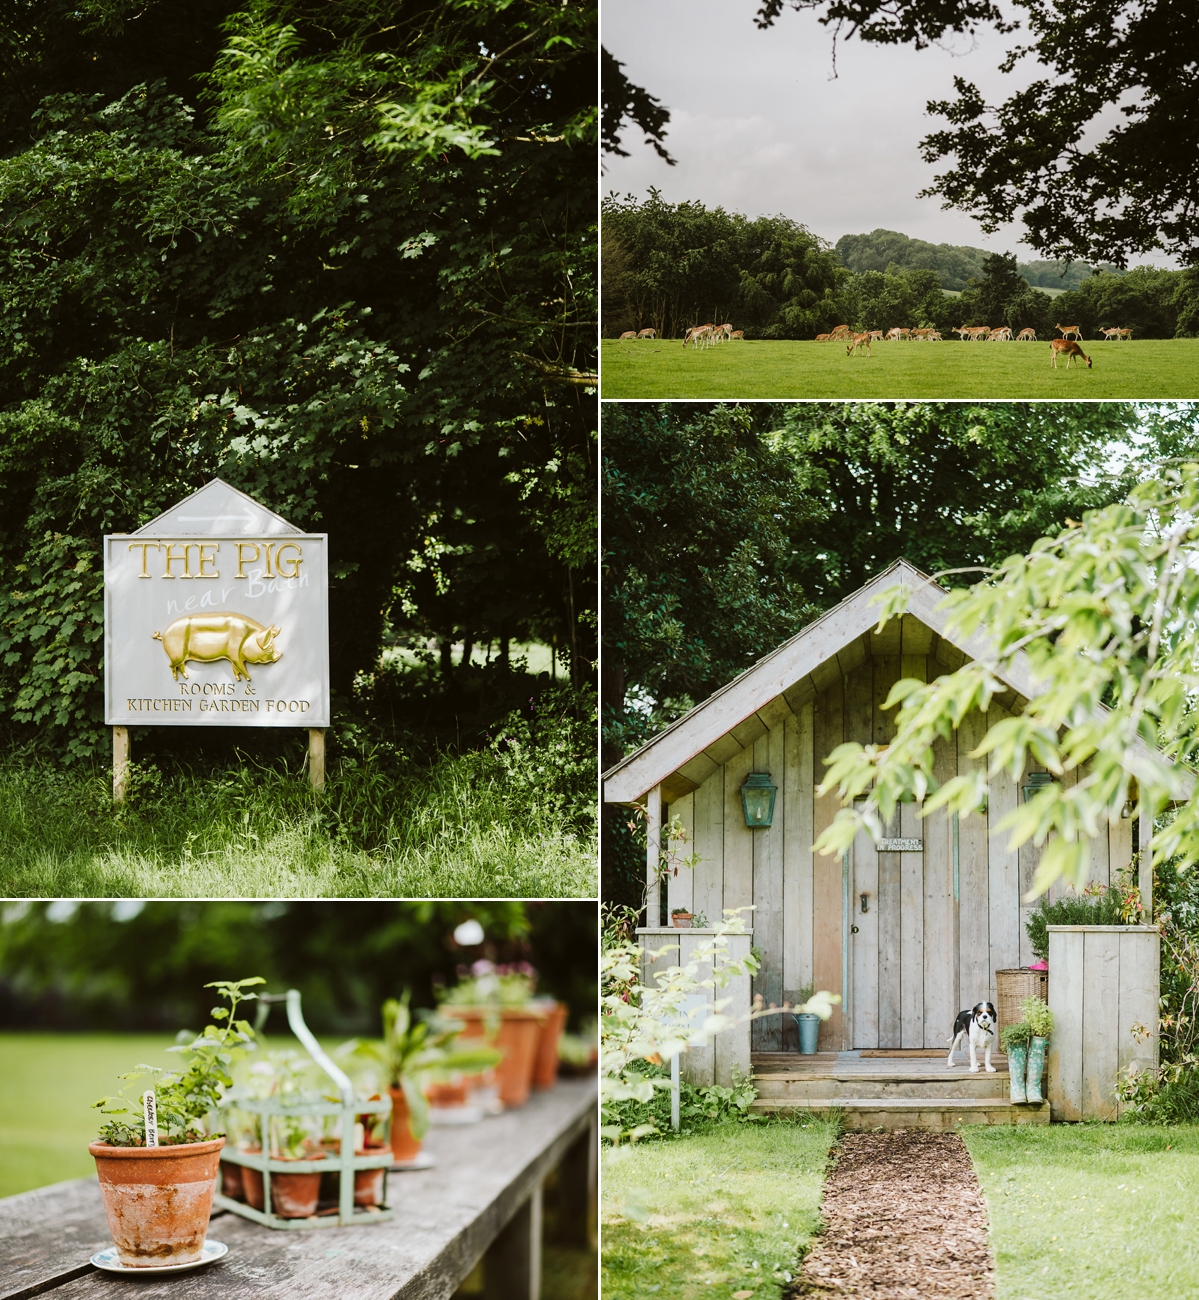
[706,1215]
[460,827]
[47,1087]
[1140,369]
[1100,1212]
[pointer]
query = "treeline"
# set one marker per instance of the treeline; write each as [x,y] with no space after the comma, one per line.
[955,264]
[667,266]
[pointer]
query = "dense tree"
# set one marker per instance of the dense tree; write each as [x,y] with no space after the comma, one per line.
[683,264]
[143,966]
[1101,158]
[728,528]
[340,256]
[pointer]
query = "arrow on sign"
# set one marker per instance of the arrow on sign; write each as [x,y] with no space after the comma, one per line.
[246,521]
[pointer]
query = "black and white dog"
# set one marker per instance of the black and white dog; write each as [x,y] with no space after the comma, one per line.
[978,1026]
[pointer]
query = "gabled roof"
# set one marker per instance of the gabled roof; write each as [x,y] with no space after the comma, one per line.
[217,510]
[691,749]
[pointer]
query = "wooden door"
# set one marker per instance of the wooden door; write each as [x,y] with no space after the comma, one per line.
[898,943]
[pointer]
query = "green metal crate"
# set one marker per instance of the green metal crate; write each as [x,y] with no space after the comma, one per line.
[345,1163]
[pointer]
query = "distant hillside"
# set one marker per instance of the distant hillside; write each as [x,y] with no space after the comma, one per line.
[954,264]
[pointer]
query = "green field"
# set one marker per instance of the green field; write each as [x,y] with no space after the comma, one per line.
[1096,1211]
[1144,369]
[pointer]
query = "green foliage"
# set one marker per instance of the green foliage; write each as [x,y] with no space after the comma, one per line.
[140,965]
[1071,909]
[187,1097]
[411,1050]
[699,1108]
[1017,1035]
[673,265]
[1037,1017]
[287,283]
[1104,614]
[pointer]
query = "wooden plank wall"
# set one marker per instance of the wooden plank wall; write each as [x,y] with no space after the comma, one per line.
[948,950]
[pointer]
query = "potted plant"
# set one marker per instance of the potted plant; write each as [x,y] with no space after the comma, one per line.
[807,1022]
[545,1067]
[1015,1039]
[409,1052]
[1040,1022]
[681,918]
[158,1199]
[496,1004]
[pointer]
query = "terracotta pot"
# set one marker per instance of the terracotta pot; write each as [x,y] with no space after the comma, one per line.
[520,1029]
[447,1094]
[403,1145]
[293,1196]
[231,1183]
[681,920]
[158,1199]
[368,1183]
[545,1067]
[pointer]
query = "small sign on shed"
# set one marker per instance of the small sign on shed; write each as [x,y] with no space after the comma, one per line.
[216,613]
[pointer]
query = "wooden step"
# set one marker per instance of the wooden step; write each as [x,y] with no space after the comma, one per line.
[860,1114]
[927,1084]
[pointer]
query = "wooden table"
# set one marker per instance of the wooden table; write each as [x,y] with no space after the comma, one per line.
[481,1201]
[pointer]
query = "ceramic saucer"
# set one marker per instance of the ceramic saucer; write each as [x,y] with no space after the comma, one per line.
[110,1261]
[422,1161]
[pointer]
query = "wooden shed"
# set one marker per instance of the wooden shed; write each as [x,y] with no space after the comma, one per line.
[910,931]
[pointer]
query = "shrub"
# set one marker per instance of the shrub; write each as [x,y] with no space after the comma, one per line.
[698,1107]
[1105,907]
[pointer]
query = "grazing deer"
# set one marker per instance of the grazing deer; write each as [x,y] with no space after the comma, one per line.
[1124,334]
[629,334]
[738,334]
[1001,335]
[858,341]
[1027,335]
[823,338]
[647,334]
[1069,349]
[1066,330]
[840,332]
[876,336]
[699,333]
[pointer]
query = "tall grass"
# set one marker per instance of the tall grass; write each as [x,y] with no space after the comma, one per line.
[474,825]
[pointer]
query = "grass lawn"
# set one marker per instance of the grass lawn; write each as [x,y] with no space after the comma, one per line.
[458,828]
[47,1087]
[1101,1212]
[1141,369]
[729,1209]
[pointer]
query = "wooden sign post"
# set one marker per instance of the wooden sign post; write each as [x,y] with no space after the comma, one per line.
[216,614]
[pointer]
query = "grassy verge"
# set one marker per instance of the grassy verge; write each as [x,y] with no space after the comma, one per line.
[47,1087]
[465,826]
[1150,368]
[1101,1212]
[732,1208]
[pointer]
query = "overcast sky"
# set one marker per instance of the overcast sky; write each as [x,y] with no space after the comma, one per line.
[758,126]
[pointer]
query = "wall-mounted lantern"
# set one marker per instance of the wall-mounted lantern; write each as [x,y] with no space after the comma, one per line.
[757,799]
[1036,781]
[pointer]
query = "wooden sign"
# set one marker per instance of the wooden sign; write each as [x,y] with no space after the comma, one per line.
[216,614]
[900,846]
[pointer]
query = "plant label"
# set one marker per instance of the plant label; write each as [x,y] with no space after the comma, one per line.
[150,1114]
[216,614]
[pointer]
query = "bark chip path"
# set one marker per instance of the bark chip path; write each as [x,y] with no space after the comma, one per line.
[905,1220]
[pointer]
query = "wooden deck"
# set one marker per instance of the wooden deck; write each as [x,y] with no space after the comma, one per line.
[901,1091]
[482,1200]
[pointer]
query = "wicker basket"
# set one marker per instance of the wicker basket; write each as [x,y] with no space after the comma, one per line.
[1012,987]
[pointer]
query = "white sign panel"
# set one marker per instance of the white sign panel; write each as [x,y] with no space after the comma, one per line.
[216,614]
[900,846]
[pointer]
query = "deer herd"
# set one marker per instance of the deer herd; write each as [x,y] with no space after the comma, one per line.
[704,336]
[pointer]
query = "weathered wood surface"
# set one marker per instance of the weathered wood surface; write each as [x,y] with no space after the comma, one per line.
[768,893]
[1103,991]
[447,1217]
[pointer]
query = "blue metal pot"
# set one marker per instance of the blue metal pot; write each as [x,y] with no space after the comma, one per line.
[809,1031]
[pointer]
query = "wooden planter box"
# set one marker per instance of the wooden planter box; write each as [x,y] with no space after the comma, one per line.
[1105,981]
[730,1049]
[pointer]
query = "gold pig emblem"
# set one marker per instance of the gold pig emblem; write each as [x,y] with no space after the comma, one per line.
[209,637]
